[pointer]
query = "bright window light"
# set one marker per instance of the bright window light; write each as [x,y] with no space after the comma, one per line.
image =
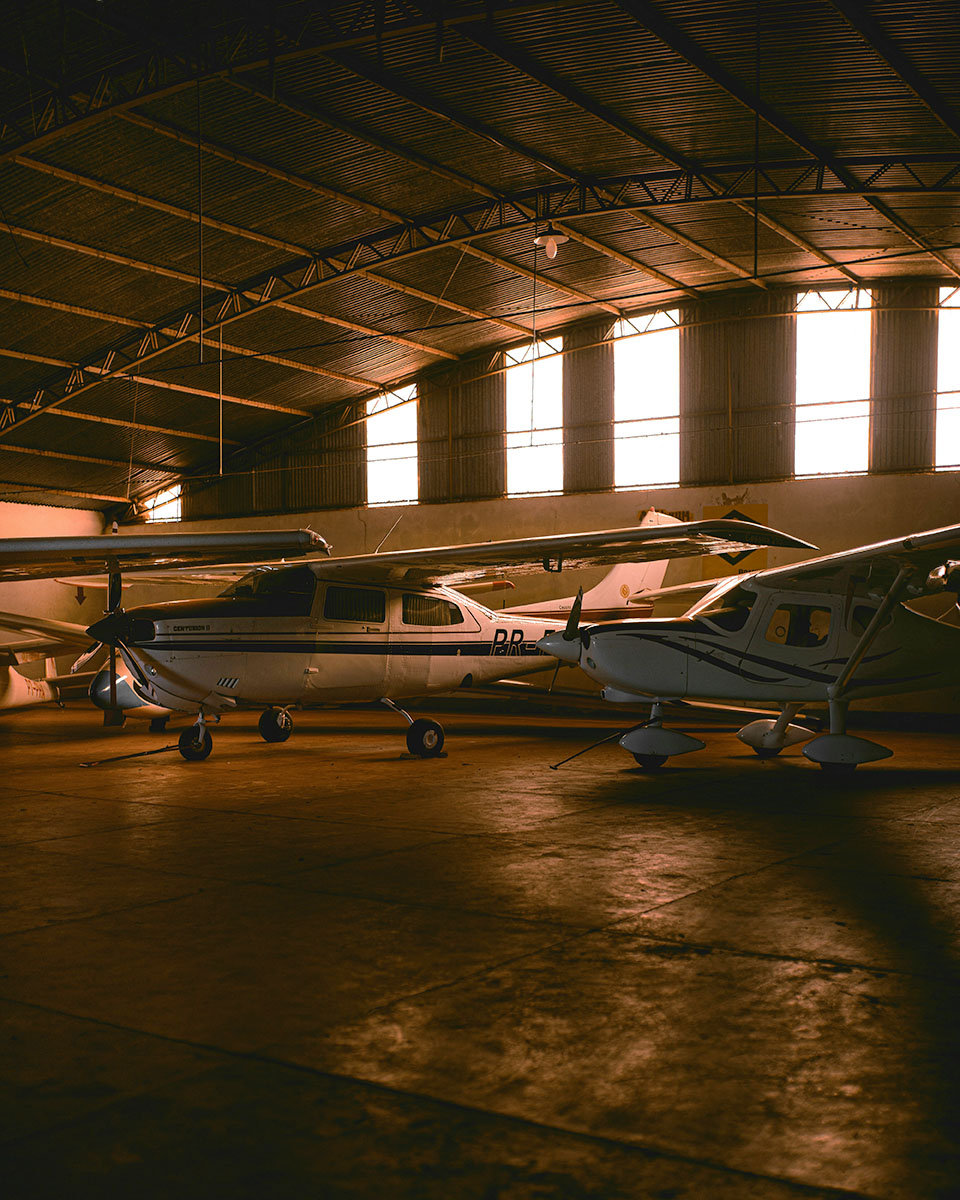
[392,470]
[646,401]
[165,505]
[535,418]
[833,382]
[948,380]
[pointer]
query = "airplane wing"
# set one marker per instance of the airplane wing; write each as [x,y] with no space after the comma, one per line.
[871,570]
[47,558]
[459,564]
[45,632]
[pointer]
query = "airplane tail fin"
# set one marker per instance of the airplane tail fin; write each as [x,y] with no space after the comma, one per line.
[608,600]
[623,579]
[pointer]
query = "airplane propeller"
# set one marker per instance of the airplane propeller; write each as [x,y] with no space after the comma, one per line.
[107,631]
[565,644]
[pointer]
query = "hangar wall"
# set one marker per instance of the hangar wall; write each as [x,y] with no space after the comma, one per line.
[45,596]
[738,364]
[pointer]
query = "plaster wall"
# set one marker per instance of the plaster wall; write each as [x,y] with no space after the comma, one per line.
[46,597]
[833,513]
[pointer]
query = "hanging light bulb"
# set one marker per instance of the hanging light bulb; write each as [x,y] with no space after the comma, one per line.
[550,239]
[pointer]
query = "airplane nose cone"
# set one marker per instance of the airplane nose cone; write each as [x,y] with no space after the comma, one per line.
[108,629]
[560,646]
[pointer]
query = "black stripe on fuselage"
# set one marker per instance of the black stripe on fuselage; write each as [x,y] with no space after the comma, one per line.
[257,645]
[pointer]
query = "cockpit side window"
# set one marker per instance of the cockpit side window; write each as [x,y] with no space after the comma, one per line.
[730,611]
[799,625]
[367,605]
[283,591]
[429,610]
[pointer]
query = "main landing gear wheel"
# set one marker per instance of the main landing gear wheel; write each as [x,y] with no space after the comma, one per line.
[836,768]
[425,738]
[651,762]
[195,744]
[275,725]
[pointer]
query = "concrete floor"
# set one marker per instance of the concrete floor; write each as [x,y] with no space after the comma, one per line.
[328,969]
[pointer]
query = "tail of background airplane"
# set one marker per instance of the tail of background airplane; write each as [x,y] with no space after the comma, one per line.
[608,600]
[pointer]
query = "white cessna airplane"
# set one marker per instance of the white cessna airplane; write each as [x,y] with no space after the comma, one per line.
[833,629]
[370,627]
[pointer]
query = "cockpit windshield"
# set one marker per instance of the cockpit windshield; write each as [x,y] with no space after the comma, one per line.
[729,611]
[283,591]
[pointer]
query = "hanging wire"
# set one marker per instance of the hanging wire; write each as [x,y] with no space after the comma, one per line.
[533,348]
[133,434]
[200,211]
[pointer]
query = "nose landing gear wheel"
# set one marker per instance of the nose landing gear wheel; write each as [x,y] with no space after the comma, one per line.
[651,762]
[195,744]
[425,738]
[275,725]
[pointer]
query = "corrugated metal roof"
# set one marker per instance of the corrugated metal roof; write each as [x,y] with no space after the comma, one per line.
[313,147]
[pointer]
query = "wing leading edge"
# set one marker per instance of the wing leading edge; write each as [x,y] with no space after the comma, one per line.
[46,558]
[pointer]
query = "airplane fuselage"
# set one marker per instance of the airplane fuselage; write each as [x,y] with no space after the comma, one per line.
[789,647]
[350,643]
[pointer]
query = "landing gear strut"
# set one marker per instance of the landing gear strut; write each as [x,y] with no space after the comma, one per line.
[424,738]
[651,745]
[275,725]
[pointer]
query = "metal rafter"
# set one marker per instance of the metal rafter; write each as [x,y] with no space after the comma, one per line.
[87,458]
[37,489]
[313,113]
[251,235]
[893,56]
[545,76]
[319,189]
[671,35]
[392,82]
[407,154]
[182,277]
[71,102]
[140,426]
[626,194]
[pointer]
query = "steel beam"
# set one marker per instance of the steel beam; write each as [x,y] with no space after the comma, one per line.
[671,35]
[51,107]
[185,214]
[182,277]
[406,154]
[86,458]
[627,194]
[860,20]
[36,489]
[392,82]
[320,189]
[140,426]
[481,35]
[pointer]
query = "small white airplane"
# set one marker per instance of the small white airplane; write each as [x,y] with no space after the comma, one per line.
[831,630]
[366,628]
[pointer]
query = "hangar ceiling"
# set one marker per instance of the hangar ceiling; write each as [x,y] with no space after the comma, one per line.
[262,210]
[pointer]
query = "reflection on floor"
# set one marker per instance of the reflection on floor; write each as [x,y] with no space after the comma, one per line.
[326,968]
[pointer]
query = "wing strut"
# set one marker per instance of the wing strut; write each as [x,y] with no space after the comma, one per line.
[836,690]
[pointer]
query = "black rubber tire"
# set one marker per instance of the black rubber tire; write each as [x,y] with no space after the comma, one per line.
[651,762]
[193,748]
[425,738]
[275,725]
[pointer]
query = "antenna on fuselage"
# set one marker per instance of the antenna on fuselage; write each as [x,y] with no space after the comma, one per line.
[389,531]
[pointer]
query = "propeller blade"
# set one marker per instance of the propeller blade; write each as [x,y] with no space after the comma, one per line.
[571,632]
[114,591]
[85,658]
